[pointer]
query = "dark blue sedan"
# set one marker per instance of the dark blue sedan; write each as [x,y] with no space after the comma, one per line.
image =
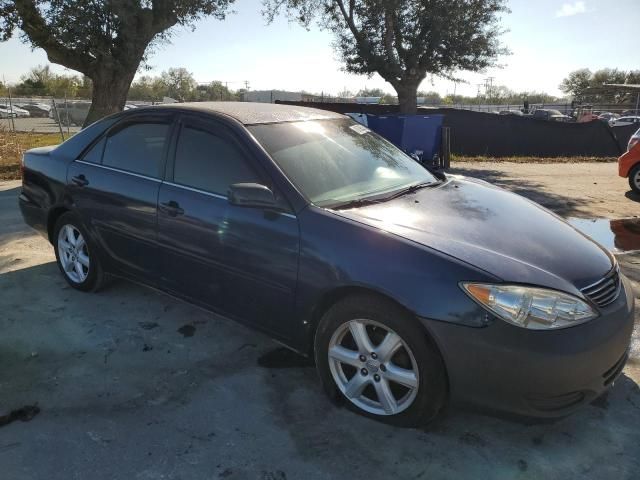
[409,289]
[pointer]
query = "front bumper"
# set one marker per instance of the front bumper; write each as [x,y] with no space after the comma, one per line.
[536,373]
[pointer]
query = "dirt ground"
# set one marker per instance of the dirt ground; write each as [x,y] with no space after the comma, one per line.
[590,190]
[132,384]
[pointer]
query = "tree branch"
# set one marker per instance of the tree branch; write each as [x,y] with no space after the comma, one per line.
[32,23]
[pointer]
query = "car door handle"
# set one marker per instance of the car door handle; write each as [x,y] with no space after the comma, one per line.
[171,208]
[80,181]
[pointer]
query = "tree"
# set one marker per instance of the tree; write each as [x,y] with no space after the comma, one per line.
[576,83]
[586,86]
[404,40]
[214,91]
[106,41]
[371,92]
[430,98]
[42,81]
[179,84]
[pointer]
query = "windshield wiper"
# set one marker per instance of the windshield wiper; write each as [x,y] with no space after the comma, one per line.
[357,203]
[412,189]
[363,202]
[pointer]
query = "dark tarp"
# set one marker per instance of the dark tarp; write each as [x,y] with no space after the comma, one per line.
[623,134]
[479,133]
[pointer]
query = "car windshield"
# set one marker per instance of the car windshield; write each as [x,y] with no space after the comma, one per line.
[334,162]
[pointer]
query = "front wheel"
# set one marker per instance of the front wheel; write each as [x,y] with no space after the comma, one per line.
[376,358]
[75,254]
[634,179]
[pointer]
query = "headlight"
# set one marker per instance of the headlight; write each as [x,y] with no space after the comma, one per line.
[528,307]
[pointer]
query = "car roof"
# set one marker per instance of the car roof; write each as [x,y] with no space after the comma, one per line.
[250,113]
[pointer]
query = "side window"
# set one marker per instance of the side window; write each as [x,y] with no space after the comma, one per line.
[208,162]
[94,155]
[137,148]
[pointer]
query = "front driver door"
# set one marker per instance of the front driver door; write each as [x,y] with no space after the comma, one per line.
[240,261]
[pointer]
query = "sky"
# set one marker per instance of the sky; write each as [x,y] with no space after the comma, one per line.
[547,40]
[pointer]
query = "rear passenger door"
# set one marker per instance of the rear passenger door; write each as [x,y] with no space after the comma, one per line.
[114,187]
[240,261]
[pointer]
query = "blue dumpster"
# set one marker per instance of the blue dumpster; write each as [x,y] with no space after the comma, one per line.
[411,133]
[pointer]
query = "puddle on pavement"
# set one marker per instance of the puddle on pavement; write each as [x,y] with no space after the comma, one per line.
[617,235]
[283,358]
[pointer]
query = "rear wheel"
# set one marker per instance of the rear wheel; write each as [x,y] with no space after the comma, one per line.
[375,358]
[634,179]
[75,254]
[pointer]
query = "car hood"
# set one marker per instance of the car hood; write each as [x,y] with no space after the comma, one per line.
[499,232]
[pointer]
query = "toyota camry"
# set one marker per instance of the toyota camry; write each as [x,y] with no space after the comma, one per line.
[409,289]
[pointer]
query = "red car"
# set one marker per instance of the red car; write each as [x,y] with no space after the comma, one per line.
[629,163]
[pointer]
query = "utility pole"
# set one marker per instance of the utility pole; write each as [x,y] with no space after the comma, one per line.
[489,87]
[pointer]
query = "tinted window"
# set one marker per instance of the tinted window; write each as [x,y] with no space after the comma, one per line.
[209,162]
[137,148]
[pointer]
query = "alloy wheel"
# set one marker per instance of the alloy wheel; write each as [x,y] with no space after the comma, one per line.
[73,253]
[373,367]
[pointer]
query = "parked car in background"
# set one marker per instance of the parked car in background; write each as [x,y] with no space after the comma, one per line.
[629,163]
[551,115]
[517,113]
[608,116]
[73,113]
[36,110]
[623,121]
[310,227]
[6,113]
[19,112]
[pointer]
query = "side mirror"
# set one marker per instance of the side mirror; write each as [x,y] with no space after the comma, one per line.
[252,195]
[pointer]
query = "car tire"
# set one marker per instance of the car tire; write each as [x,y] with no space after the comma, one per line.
[403,386]
[634,179]
[76,255]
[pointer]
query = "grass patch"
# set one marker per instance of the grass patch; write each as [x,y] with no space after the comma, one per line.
[14,144]
[463,159]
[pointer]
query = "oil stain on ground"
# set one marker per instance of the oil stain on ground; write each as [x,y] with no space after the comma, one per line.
[187,330]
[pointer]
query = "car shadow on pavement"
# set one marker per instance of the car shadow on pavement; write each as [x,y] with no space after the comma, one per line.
[117,365]
[631,195]
[562,205]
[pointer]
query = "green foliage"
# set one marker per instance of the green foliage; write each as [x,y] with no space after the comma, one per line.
[404,40]
[589,87]
[105,40]
[41,81]
[178,83]
[371,92]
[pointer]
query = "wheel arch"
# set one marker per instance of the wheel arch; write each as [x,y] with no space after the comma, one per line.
[54,214]
[330,298]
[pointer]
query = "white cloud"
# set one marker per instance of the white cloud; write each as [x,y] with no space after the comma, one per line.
[571,9]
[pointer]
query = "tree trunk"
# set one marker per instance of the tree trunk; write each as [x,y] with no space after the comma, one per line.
[110,90]
[408,98]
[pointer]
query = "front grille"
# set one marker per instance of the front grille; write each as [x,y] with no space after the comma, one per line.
[605,291]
